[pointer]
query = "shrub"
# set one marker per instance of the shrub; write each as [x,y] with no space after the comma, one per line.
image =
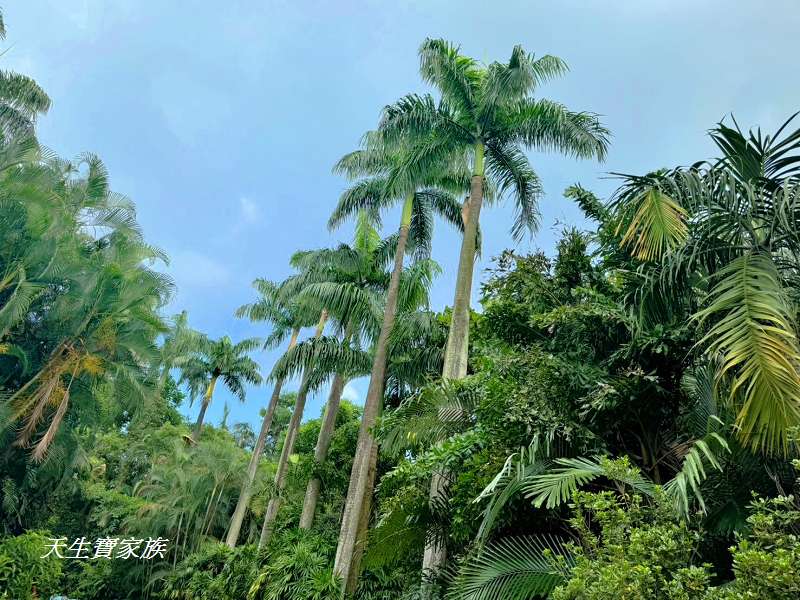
[22,568]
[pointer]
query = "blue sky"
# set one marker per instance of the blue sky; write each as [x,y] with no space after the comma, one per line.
[222,120]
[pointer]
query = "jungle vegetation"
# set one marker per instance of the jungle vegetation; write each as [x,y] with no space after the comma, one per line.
[616,419]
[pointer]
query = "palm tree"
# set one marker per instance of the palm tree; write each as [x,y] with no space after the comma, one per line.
[180,343]
[220,360]
[102,302]
[345,284]
[732,226]
[487,113]
[385,183]
[21,100]
[291,435]
[287,319]
[361,270]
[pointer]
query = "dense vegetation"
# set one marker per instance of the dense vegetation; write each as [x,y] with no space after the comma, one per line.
[619,420]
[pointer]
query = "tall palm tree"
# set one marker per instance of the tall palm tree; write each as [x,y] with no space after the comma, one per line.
[287,319]
[306,383]
[423,194]
[363,274]
[345,283]
[220,360]
[487,114]
[732,227]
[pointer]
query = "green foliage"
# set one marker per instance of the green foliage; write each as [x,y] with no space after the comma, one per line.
[642,551]
[513,568]
[766,562]
[23,571]
[215,572]
[633,550]
[643,378]
[297,569]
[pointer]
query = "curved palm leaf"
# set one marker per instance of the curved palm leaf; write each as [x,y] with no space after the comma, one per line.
[515,568]
[755,335]
[657,227]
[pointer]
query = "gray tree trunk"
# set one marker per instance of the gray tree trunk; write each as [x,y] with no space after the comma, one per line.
[363,522]
[247,485]
[288,447]
[321,450]
[455,358]
[359,475]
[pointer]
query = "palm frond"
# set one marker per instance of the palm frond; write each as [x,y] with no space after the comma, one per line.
[514,568]
[455,75]
[324,355]
[558,484]
[549,126]
[755,336]
[686,482]
[658,225]
[510,170]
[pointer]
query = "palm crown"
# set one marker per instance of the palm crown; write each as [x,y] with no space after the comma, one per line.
[489,112]
[224,360]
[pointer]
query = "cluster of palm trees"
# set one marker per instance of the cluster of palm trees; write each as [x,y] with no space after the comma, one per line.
[81,300]
[435,157]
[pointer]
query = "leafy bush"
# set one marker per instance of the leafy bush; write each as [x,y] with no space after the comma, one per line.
[767,562]
[299,569]
[632,550]
[644,552]
[216,572]
[23,570]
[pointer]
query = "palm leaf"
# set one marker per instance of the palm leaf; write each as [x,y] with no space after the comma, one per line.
[515,568]
[687,481]
[658,225]
[755,336]
[557,485]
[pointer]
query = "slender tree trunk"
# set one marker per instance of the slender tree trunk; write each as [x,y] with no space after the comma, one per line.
[247,485]
[363,521]
[203,407]
[288,447]
[321,450]
[359,475]
[455,358]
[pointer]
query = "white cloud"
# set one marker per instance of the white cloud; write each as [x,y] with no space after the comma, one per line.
[250,210]
[169,91]
[191,268]
[351,393]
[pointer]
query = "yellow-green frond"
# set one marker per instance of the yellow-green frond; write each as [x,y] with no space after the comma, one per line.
[658,226]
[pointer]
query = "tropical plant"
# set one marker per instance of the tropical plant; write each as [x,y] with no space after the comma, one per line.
[220,360]
[424,193]
[731,227]
[306,383]
[487,114]
[24,572]
[287,319]
[349,283]
[299,569]
[101,315]
[21,101]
